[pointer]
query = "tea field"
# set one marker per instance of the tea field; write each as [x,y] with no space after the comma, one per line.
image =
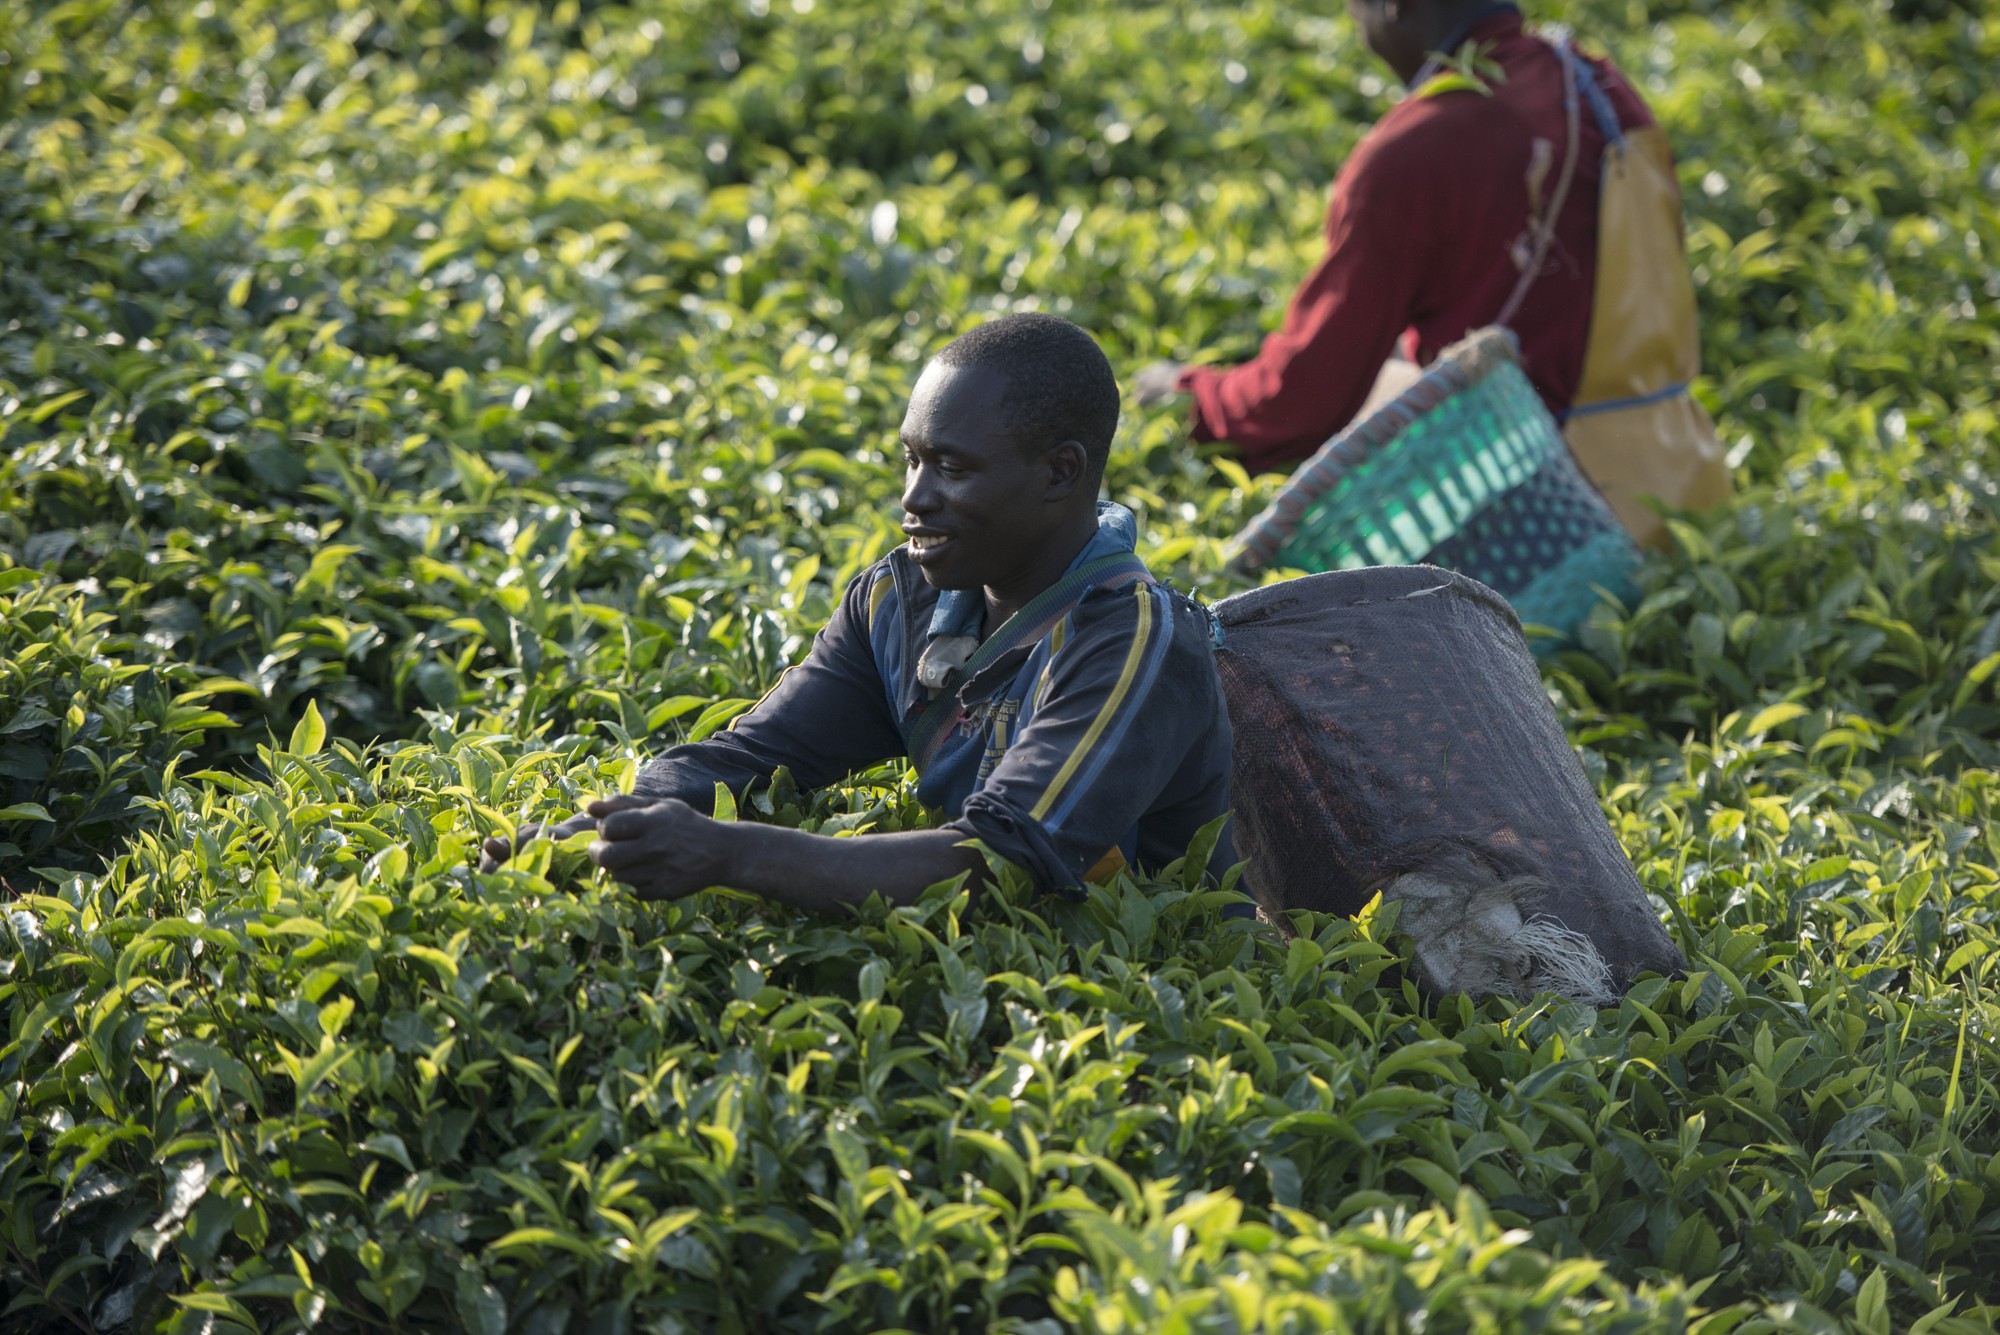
[415,412]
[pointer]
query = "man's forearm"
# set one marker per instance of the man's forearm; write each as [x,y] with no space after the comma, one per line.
[816,871]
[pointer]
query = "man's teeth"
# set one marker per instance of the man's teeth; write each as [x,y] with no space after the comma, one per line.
[919,543]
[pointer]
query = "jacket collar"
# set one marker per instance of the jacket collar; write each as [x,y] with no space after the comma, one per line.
[1489,15]
[960,611]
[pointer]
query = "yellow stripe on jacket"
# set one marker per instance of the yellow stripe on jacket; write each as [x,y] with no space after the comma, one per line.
[878,592]
[1144,593]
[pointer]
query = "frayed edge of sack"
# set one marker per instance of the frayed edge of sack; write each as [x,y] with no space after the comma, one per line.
[1476,940]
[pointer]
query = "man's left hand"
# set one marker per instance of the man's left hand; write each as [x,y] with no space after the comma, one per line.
[663,849]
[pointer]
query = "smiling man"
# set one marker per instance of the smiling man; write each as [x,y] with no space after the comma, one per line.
[1058,704]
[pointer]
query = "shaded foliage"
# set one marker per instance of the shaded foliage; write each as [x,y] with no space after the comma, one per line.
[479,395]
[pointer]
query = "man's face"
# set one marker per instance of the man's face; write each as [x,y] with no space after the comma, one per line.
[976,502]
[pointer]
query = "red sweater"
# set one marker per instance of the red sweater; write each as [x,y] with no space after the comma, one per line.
[1418,237]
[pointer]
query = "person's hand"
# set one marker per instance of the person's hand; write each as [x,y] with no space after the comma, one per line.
[1157,383]
[662,849]
[498,849]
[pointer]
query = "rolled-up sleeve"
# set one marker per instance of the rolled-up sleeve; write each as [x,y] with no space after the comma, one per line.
[1126,701]
[1314,373]
[826,717]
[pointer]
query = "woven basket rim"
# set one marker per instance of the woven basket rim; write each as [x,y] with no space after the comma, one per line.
[1364,584]
[1465,363]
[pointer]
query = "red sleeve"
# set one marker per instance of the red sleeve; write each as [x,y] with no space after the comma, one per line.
[1313,375]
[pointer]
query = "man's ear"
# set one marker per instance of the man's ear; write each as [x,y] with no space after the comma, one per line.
[1066,464]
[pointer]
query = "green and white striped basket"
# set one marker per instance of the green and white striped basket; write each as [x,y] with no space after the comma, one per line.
[1467,470]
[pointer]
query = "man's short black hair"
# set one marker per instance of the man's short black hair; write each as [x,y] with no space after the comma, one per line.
[1059,382]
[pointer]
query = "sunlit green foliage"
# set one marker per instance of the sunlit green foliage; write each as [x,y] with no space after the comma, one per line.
[414,413]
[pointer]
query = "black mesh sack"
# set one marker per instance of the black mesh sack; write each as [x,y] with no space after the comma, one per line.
[1393,735]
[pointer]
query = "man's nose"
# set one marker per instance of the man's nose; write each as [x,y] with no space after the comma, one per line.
[919,497]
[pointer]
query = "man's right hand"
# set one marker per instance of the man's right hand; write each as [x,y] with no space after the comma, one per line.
[497,850]
[1157,383]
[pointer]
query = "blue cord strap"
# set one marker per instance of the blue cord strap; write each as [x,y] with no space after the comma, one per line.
[1617,405]
[1600,105]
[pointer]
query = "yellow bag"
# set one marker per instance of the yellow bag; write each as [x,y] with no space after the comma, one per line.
[1635,429]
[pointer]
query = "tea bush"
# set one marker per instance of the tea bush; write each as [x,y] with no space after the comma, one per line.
[413,413]
[88,735]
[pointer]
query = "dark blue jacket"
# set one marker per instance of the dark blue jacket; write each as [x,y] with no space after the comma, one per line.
[1102,741]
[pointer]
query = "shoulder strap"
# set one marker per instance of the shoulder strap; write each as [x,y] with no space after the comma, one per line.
[1601,109]
[1544,227]
[1034,620]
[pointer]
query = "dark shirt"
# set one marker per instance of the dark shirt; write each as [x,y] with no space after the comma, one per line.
[1103,740]
[1420,237]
